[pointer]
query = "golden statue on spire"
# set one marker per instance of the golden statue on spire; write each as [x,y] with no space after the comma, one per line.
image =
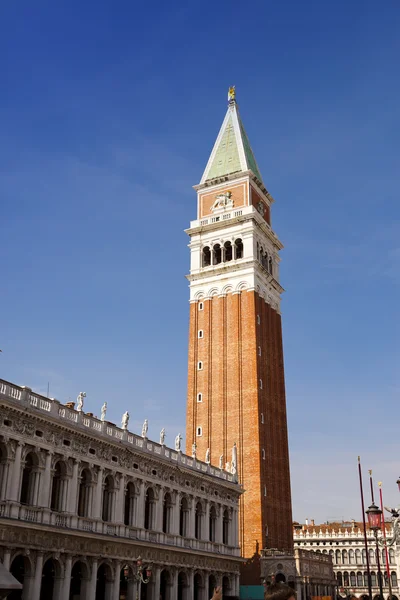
[232,94]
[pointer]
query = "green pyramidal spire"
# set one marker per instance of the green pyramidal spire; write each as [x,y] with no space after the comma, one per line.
[232,152]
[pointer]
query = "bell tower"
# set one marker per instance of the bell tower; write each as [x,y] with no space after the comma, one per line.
[236,386]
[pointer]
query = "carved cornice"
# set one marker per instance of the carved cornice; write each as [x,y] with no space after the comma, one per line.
[45,540]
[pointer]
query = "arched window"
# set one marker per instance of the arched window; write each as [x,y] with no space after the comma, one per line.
[332,555]
[198,521]
[346,578]
[183,517]
[199,397]
[270,268]
[167,513]
[149,509]
[373,578]
[371,556]
[228,251]
[351,557]
[358,557]
[339,578]
[365,579]
[206,262]
[352,579]
[345,557]
[238,248]
[364,556]
[225,527]
[359,579]
[393,576]
[217,254]
[108,499]
[58,487]
[391,556]
[338,557]
[130,504]
[85,494]
[30,481]
[384,557]
[213,523]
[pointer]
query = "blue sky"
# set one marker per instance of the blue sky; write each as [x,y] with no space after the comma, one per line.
[108,113]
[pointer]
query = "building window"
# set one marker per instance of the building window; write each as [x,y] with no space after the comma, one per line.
[217,254]
[263,454]
[149,509]
[212,524]
[108,499]
[167,513]
[258,319]
[199,432]
[198,521]
[200,333]
[130,504]
[201,305]
[206,258]
[225,527]
[259,350]
[262,418]
[261,384]
[199,397]
[199,366]
[183,517]
[228,251]
[265,490]
[238,248]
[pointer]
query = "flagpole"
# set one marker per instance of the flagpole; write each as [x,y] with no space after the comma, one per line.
[365,531]
[384,538]
[378,560]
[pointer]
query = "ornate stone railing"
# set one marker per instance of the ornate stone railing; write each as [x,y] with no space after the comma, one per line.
[57,411]
[48,518]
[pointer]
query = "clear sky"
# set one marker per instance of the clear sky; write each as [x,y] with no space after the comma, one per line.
[108,113]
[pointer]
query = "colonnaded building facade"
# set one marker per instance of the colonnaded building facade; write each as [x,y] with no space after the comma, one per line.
[344,543]
[236,384]
[81,500]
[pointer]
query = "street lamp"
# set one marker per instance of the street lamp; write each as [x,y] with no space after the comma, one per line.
[141,575]
[374,515]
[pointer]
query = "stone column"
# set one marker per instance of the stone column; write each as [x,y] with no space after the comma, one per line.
[206,524]
[140,507]
[156,586]
[159,507]
[175,515]
[16,474]
[120,501]
[7,558]
[190,519]
[174,585]
[190,589]
[72,502]
[91,595]
[98,494]
[67,578]
[219,524]
[36,489]
[4,474]
[37,582]
[116,583]
[44,498]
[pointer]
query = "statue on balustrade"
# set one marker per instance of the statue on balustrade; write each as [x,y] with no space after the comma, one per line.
[125,420]
[103,412]
[178,440]
[145,428]
[80,400]
[162,436]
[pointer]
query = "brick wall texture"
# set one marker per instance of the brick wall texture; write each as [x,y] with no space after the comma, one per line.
[243,401]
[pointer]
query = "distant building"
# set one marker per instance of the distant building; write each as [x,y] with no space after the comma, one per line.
[310,575]
[344,543]
[82,499]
